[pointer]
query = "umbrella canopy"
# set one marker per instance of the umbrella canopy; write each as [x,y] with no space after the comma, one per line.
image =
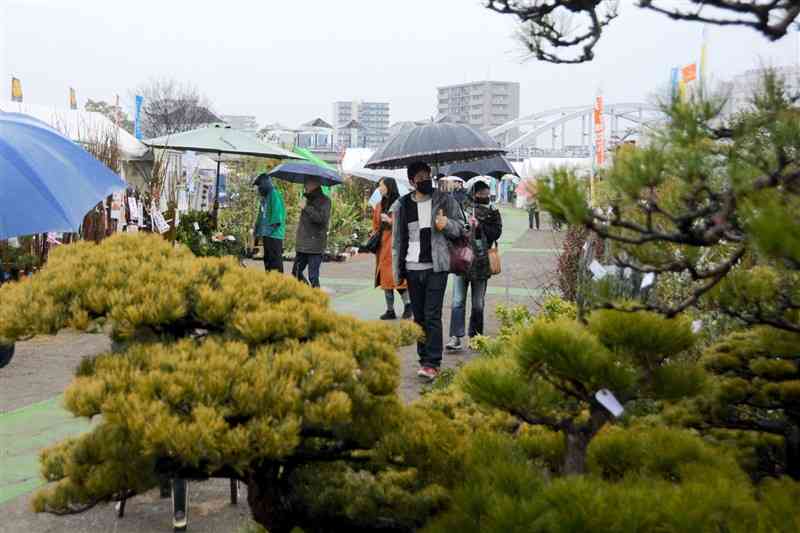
[47,182]
[435,143]
[298,172]
[220,139]
[495,167]
[452,178]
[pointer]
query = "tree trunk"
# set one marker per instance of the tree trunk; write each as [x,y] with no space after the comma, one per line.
[575,456]
[265,497]
[792,443]
[578,439]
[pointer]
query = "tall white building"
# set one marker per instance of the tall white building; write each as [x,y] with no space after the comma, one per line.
[482,104]
[371,126]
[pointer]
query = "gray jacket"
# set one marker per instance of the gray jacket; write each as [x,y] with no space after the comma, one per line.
[312,230]
[440,240]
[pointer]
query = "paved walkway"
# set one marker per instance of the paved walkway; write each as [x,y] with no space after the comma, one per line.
[31,417]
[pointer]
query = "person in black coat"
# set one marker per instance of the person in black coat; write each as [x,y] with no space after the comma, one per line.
[312,233]
[487,227]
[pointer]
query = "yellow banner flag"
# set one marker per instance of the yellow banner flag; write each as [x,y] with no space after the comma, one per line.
[16,90]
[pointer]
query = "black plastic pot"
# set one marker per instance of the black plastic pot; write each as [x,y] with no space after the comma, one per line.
[6,353]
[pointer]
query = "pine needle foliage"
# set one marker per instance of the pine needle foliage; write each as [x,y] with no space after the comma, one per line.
[550,372]
[224,371]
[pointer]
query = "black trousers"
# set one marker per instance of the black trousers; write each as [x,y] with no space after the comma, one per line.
[533,216]
[313,262]
[426,289]
[273,254]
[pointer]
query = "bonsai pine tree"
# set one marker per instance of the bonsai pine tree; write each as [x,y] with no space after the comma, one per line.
[712,205]
[553,370]
[223,371]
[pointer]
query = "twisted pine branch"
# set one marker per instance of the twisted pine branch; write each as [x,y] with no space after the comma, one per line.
[539,33]
[750,14]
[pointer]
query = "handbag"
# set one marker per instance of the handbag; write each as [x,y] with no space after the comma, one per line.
[373,243]
[461,253]
[494,260]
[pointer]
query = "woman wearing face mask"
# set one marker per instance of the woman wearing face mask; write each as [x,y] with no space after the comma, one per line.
[487,226]
[384,278]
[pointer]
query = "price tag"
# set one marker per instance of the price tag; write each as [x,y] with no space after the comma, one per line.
[160,224]
[196,226]
[610,402]
[133,207]
[648,280]
[597,270]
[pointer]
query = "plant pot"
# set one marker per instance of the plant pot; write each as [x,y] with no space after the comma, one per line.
[6,353]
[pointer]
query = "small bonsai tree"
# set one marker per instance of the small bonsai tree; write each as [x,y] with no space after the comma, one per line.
[224,371]
[553,371]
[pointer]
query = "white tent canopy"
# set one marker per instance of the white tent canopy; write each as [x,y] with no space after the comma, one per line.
[353,165]
[81,126]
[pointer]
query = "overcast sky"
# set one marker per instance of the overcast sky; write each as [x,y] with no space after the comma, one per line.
[288,61]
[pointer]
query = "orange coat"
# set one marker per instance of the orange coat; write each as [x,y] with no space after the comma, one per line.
[383,259]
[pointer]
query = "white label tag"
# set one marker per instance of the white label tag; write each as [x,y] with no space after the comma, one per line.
[610,402]
[133,207]
[160,224]
[597,270]
[196,226]
[697,325]
[648,280]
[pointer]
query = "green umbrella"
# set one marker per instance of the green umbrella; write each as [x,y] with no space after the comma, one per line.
[220,139]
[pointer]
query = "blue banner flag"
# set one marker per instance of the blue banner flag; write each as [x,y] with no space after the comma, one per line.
[137,125]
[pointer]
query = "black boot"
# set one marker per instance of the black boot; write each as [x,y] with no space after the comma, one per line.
[389,315]
[408,314]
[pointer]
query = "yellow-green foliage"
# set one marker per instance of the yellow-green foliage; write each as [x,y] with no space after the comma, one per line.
[641,481]
[556,307]
[221,367]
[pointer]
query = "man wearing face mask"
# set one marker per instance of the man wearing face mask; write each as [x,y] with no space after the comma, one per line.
[312,232]
[424,223]
[487,227]
[271,223]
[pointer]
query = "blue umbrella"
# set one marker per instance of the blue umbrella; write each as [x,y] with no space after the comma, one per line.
[298,172]
[47,182]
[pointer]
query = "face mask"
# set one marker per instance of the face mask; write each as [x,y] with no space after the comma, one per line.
[482,201]
[425,187]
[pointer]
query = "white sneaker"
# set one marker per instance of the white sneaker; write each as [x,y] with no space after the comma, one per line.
[455,345]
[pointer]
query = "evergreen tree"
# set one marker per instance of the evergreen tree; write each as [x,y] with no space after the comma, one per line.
[223,371]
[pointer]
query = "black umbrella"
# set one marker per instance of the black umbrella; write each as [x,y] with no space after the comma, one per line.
[435,143]
[496,167]
[298,172]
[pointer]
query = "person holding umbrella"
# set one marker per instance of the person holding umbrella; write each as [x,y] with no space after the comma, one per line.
[424,223]
[271,223]
[384,278]
[312,232]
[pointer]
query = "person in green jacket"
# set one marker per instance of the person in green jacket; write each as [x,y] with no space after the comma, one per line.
[271,223]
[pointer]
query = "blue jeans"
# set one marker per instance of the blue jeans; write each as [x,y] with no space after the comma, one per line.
[313,262]
[459,313]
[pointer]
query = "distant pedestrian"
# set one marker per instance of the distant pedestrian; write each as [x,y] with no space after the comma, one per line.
[384,278]
[533,213]
[271,223]
[425,222]
[486,226]
[312,232]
